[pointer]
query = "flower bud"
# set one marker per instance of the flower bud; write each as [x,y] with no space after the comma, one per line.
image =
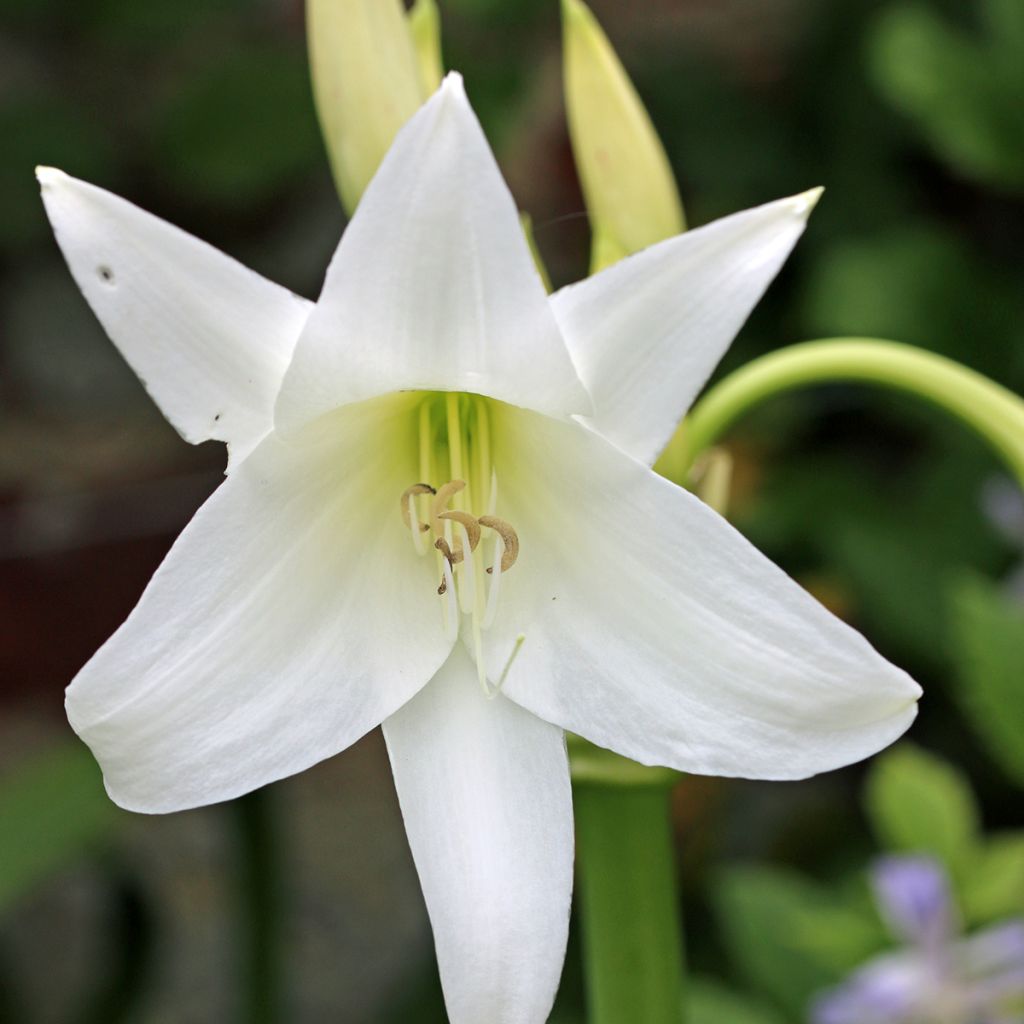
[630,193]
[425,24]
[366,84]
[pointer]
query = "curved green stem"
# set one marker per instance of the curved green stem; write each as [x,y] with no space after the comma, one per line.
[992,411]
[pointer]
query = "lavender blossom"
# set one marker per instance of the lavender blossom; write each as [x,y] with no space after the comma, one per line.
[938,976]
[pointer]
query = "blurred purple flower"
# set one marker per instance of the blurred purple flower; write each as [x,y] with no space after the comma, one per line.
[1003,505]
[938,977]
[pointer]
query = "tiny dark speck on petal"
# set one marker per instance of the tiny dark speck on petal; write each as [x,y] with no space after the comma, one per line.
[217,417]
[105,273]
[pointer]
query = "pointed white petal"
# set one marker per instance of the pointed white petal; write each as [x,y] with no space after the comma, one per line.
[209,338]
[646,333]
[290,617]
[484,788]
[652,627]
[433,285]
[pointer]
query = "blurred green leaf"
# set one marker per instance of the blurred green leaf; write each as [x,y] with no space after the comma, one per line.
[42,128]
[872,524]
[964,99]
[988,649]
[789,937]
[1005,20]
[921,283]
[53,809]
[239,130]
[921,803]
[994,888]
[710,1002]
[159,22]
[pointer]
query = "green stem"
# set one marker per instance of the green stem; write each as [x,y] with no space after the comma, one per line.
[632,940]
[991,410]
[259,897]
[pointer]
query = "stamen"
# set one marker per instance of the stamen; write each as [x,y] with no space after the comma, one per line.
[455,435]
[492,501]
[492,593]
[405,503]
[467,574]
[442,496]
[468,523]
[451,557]
[417,535]
[451,602]
[509,537]
[516,647]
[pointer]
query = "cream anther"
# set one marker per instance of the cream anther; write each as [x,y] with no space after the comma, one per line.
[509,538]
[451,557]
[472,526]
[406,503]
[442,496]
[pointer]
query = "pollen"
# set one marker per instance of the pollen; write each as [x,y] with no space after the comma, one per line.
[458,521]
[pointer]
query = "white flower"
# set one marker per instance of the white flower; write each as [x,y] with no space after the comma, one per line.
[298,610]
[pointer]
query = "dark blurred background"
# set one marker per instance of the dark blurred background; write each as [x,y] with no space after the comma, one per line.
[911,115]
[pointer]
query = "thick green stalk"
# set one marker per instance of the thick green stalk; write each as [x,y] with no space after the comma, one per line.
[632,939]
[259,906]
[989,409]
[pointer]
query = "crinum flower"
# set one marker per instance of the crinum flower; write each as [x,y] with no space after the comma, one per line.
[439,515]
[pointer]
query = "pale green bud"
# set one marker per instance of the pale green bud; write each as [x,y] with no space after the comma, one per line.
[630,193]
[425,23]
[366,84]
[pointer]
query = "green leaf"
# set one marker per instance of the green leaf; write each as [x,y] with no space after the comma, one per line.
[964,98]
[240,129]
[787,936]
[710,1002]
[53,809]
[988,649]
[995,886]
[918,802]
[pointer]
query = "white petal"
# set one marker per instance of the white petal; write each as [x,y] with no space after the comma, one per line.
[646,333]
[209,338]
[433,285]
[290,617]
[484,789]
[652,627]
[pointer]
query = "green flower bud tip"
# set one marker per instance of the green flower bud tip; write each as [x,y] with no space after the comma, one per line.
[627,182]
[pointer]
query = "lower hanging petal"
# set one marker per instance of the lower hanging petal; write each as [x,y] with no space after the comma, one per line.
[644,622]
[484,789]
[287,620]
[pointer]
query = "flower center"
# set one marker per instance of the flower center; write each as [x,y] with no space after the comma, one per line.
[456,520]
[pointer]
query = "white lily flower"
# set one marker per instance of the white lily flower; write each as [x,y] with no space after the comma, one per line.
[437,422]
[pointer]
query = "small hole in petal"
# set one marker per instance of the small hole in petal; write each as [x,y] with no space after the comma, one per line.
[105,273]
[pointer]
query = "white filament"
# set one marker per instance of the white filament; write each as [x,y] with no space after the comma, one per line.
[467,574]
[492,593]
[451,603]
[417,534]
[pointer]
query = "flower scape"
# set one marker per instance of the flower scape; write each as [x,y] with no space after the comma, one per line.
[439,516]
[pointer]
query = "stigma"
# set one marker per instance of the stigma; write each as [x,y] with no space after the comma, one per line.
[456,521]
